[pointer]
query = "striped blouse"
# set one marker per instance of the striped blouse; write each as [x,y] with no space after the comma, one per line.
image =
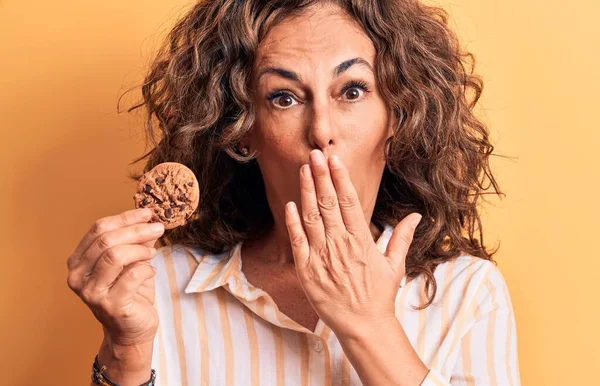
[218,329]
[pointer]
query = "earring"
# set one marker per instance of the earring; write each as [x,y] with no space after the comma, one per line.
[245,151]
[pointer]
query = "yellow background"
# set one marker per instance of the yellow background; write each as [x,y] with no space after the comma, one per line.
[65,154]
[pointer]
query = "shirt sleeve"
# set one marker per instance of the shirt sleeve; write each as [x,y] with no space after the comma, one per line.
[487,353]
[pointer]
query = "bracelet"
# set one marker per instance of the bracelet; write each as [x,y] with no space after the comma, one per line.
[99,378]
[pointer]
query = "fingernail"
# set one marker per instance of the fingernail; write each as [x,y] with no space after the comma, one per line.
[316,157]
[306,171]
[416,220]
[290,206]
[156,227]
[335,161]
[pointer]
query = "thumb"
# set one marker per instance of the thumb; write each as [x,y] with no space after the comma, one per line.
[400,241]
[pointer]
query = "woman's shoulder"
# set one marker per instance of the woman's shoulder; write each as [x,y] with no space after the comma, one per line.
[190,269]
[478,280]
[180,251]
[176,264]
[472,269]
[192,253]
[177,261]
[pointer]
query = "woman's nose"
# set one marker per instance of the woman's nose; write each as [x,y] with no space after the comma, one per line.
[322,130]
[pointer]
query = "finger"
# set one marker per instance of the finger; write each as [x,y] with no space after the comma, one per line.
[133,234]
[107,224]
[349,203]
[151,243]
[327,199]
[298,239]
[112,262]
[311,215]
[400,241]
[131,280]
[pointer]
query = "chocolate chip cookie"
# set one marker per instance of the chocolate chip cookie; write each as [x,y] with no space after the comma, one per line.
[170,189]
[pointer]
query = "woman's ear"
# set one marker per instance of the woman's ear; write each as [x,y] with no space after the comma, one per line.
[244,144]
[392,122]
[246,141]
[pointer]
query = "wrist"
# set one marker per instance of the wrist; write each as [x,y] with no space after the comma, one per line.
[126,365]
[365,330]
[375,349]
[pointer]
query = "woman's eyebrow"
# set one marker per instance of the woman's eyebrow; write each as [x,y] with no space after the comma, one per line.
[337,71]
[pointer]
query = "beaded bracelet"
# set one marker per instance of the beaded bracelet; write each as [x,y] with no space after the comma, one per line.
[99,378]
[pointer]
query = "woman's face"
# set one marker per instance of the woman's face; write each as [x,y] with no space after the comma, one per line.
[314,88]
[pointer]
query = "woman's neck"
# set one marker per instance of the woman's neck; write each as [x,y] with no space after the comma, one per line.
[274,247]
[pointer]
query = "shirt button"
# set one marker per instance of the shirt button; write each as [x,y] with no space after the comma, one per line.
[318,346]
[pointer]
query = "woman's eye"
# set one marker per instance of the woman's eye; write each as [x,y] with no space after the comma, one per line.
[285,99]
[355,90]
[353,93]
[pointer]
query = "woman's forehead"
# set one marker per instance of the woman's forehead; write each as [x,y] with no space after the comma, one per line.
[322,32]
[329,57]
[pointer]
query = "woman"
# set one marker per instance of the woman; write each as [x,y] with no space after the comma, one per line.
[321,133]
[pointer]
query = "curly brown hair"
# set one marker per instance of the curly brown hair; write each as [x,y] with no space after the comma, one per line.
[196,96]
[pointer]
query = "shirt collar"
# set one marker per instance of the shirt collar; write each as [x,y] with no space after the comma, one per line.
[216,270]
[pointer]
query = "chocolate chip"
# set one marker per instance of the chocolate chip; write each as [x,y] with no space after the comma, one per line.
[182,198]
[156,198]
[148,188]
[191,183]
[146,201]
[168,213]
[160,180]
[182,207]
